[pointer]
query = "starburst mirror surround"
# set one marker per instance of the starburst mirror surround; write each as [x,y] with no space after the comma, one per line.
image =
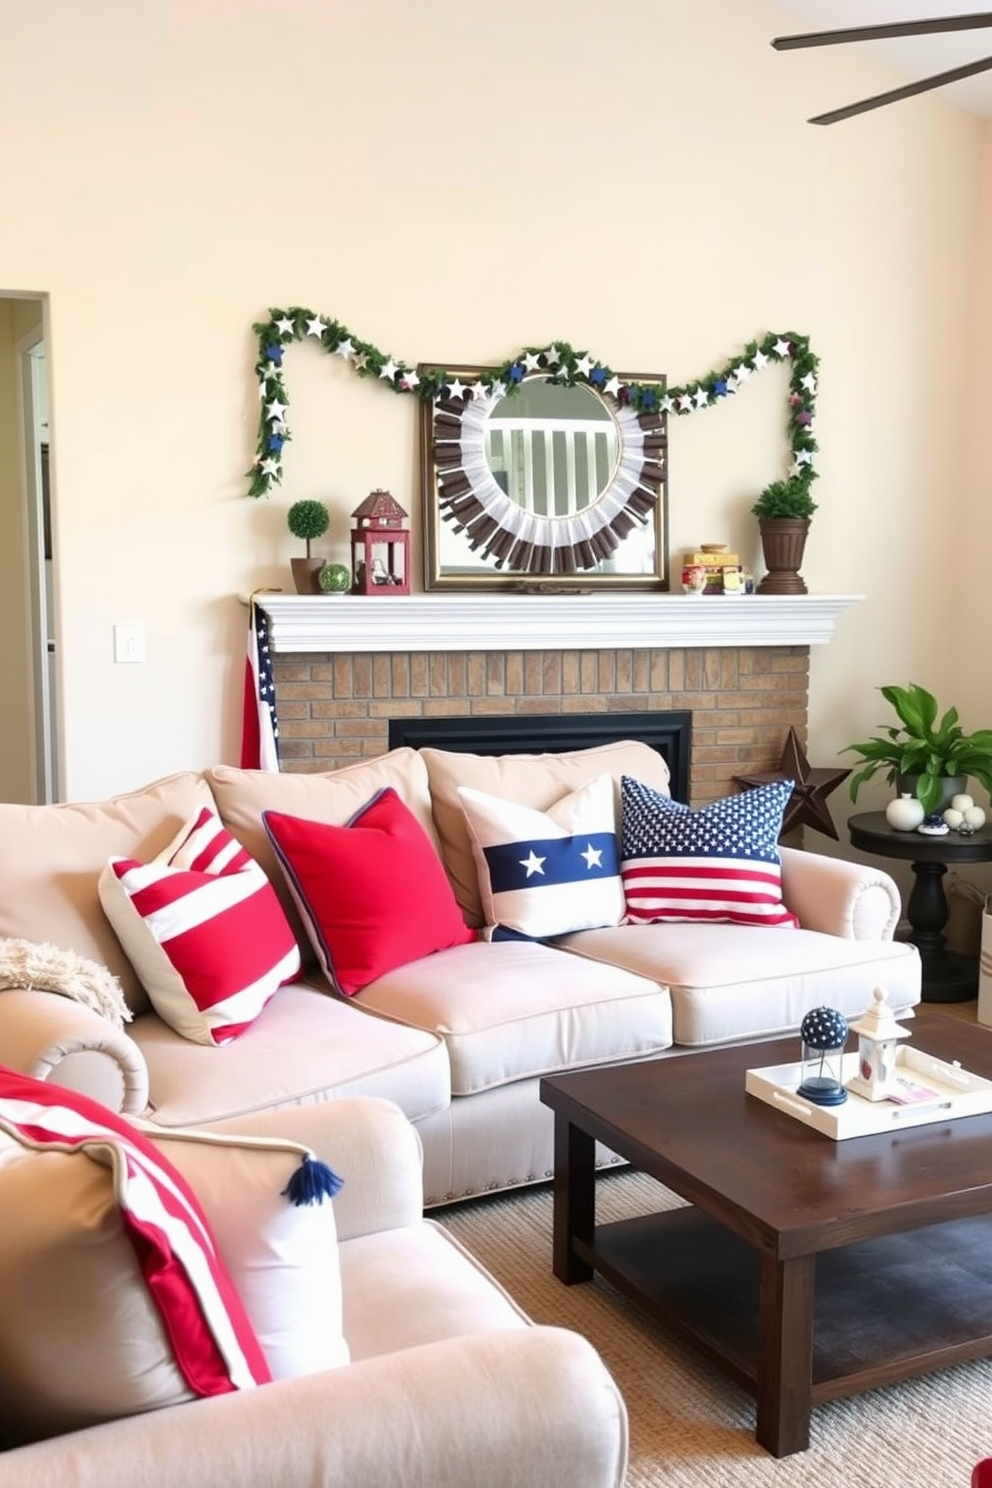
[544,481]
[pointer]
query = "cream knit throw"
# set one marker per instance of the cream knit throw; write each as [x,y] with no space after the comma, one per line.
[46,968]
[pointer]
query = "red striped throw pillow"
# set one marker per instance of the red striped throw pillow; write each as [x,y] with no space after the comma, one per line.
[204,930]
[115,1297]
[720,862]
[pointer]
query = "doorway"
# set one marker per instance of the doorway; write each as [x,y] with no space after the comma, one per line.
[29,762]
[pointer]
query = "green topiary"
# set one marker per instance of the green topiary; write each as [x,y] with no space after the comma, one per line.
[308,520]
[786,498]
[924,745]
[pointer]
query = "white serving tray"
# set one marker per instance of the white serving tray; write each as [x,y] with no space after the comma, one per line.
[956,1093]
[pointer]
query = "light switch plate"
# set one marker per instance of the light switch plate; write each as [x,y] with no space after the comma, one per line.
[129,641]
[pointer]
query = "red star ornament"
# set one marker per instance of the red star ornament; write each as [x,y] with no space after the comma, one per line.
[808,802]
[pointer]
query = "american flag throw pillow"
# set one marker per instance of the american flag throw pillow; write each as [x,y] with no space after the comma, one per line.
[204,930]
[720,862]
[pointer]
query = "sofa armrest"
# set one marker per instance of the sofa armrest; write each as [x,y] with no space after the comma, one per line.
[853,900]
[367,1141]
[532,1407]
[55,1038]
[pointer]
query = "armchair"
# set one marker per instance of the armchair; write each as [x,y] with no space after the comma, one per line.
[449,1382]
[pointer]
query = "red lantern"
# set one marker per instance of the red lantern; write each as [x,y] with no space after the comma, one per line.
[380,546]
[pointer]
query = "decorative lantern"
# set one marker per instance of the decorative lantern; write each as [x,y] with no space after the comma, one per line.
[824,1033]
[878,1048]
[380,546]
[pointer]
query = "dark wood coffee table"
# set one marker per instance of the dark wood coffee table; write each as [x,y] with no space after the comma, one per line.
[809,1269]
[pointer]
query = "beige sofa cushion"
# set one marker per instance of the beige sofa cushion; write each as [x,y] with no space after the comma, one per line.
[537,780]
[416,1285]
[750,981]
[306,1045]
[332,797]
[51,858]
[509,1009]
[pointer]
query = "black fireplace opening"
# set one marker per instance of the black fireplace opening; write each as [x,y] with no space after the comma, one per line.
[670,733]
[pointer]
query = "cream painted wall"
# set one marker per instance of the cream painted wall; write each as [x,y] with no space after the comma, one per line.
[188,166]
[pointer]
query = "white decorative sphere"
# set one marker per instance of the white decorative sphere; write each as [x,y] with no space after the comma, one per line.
[962,803]
[905,813]
[953,816]
[975,817]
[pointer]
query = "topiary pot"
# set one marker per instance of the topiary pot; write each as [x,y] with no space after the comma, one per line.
[306,574]
[783,542]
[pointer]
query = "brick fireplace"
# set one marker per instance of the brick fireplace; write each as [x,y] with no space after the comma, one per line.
[345,666]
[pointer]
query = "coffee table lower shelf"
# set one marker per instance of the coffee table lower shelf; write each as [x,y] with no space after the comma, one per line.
[885,1309]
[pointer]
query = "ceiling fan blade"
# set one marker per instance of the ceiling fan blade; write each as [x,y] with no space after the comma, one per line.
[972,22]
[908,91]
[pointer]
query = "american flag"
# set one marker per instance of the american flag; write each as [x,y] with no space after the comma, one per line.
[260,729]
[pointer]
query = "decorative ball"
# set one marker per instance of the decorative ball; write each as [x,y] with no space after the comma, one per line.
[335,578]
[975,817]
[933,826]
[954,816]
[824,1028]
[905,813]
[962,803]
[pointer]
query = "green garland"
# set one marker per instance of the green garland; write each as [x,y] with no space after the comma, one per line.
[559,361]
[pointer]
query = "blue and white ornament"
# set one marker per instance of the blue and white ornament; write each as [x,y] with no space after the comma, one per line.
[824,1032]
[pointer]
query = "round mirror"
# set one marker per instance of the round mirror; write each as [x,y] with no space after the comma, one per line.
[547,470]
[551,449]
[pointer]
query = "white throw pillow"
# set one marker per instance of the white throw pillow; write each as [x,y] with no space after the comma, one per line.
[140,1269]
[546,873]
[114,1298]
[282,1256]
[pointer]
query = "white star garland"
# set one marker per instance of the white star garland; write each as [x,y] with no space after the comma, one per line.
[558,360]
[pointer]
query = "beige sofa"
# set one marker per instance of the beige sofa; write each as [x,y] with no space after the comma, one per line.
[448,1382]
[458,1039]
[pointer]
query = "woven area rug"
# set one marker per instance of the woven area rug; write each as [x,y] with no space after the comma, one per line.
[691,1425]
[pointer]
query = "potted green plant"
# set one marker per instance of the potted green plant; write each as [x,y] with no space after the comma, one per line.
[783,510]
[923,754]
[307,520]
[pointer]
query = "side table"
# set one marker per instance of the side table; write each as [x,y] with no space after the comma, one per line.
[948,976]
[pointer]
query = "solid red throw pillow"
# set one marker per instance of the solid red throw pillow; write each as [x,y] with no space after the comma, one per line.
[373,894]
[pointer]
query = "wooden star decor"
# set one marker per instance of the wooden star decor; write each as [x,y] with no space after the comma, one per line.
[808,802]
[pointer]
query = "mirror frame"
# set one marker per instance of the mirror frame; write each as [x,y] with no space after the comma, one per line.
[524,551]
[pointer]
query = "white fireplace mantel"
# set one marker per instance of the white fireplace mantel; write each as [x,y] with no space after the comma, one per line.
[546,622]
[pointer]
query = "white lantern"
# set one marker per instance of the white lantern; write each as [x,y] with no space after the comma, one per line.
[878,1044]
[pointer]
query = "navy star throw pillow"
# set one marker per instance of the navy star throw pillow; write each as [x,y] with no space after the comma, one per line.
[545,873]
[720,862]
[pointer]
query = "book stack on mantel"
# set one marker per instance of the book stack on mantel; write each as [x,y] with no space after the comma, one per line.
[724,571]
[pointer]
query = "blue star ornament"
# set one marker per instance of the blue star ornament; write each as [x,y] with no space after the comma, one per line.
[824,1028]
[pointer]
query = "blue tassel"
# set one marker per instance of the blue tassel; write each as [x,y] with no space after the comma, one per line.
[312,1183]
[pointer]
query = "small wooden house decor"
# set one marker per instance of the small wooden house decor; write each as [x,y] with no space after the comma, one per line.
[380,546]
